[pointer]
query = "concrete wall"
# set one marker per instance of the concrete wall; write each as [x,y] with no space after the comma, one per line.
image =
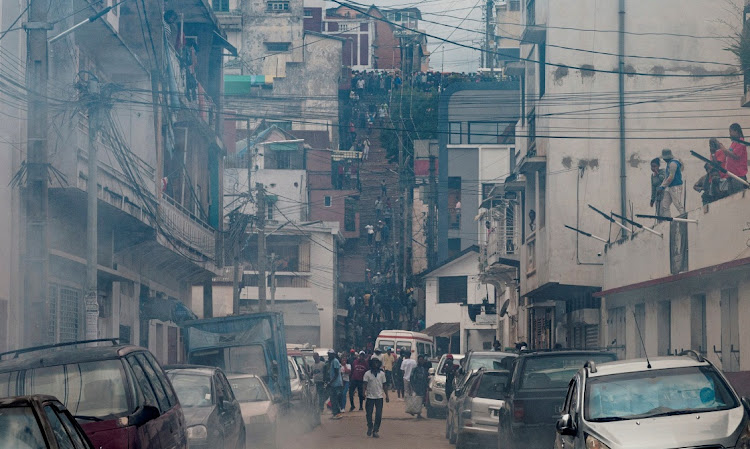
[290,186]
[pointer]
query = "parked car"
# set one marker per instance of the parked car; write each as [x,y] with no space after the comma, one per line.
[535,395]
[119,393]
[491,360]
[259,410]
[212,413]
[304,402]
[437,402]
[37,422]
[677,401]
[473,421]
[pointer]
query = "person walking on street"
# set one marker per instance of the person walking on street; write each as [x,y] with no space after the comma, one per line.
[318,368]
[335,383]
[389,359]
[418,381]
[398,376]
[346,371]
[657,178]
[359,368]
[407,366]
[672,185]
[377,389]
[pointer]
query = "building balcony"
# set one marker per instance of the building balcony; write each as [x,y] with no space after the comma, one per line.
[715,243]
[185,92]
[503,245]
[185,229]
[230,20]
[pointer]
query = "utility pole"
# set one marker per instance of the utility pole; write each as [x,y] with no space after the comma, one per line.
[36,297]
[91,301]
[402,209]
[236,273]
[431,211]
[273,279]
[489,60]
[260,219]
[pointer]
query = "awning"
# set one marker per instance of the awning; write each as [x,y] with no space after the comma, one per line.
[225,43]
[442,329]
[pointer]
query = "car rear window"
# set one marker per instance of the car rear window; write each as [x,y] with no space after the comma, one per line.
[492,386]
[19,428]
[249,389]
[193,390]
[555,372]
[95,389]
[491,362]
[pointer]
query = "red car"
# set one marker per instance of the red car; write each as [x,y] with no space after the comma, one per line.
[118,393]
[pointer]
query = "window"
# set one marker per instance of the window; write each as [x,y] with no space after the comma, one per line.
[531,120]
[530,13]
[452,289]
[514,5]
[145,386]
[75,434]
[194,390]
[162,378]
[454,247]
[283,160]
[221,5]
[327,201]
[542,190]
[64,310]
[156,385]
[308,13]
[484,132]
[278,47]
[277,6]
[454,133]
[269,211]
[14,418]
[61,435]
[343,27]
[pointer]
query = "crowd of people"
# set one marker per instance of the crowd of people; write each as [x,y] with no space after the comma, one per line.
[370,375]
[725,174]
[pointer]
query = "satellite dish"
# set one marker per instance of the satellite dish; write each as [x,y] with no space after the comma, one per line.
[504,308]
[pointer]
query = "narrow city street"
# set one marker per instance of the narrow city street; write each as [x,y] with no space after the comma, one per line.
[397,430]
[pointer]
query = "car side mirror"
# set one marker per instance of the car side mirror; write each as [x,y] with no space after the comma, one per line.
[276,399]
[143,415]
[565,425]
[431,371]
[225,404]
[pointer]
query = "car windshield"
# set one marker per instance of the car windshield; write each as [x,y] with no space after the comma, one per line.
[491,362]
[90,389]
[647,394]
[193,390]
[249,389]
[19,429]
[555,372]
[492,386]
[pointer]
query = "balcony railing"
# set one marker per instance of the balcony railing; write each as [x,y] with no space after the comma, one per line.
[504,234]
[187,229]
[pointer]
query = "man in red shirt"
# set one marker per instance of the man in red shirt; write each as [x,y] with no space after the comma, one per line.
[359,368]
[736,157]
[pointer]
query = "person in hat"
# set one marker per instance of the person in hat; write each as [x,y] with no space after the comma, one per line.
[672,186]
[359,368]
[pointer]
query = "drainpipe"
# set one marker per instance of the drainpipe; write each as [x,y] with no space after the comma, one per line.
[621,79]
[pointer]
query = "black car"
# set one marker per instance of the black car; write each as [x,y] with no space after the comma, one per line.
[39,421]
[118,393]
[212,413]
[536,393]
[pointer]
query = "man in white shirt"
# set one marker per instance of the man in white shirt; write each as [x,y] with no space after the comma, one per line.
[407,366]
[375,391]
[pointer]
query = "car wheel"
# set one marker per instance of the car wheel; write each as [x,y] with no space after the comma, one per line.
[430,412]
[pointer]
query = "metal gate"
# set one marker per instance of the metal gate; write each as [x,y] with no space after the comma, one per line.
[616,331]
[65,313]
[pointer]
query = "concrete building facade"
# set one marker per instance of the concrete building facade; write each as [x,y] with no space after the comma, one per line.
[577,147]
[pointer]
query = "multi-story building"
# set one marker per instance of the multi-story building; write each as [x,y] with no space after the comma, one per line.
[283,71]
[603,95]
[159,172]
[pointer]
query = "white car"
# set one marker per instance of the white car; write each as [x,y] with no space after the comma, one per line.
[259,410]
[437,401]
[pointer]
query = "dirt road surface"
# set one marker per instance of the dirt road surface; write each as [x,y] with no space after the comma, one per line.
[397,430]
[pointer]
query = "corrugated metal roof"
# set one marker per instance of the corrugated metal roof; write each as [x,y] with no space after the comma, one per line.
[442,329]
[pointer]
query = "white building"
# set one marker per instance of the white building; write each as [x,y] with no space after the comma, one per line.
[677,90]
[455,301]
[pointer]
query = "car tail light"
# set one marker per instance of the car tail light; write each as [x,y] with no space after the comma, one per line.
[518,412]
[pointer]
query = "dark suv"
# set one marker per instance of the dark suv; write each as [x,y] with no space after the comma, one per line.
[536,393]
[39,422]
[119,393]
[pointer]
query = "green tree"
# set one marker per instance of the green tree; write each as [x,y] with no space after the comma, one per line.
[416,114]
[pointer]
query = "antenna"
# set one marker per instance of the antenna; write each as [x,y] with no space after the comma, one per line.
[640,336]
